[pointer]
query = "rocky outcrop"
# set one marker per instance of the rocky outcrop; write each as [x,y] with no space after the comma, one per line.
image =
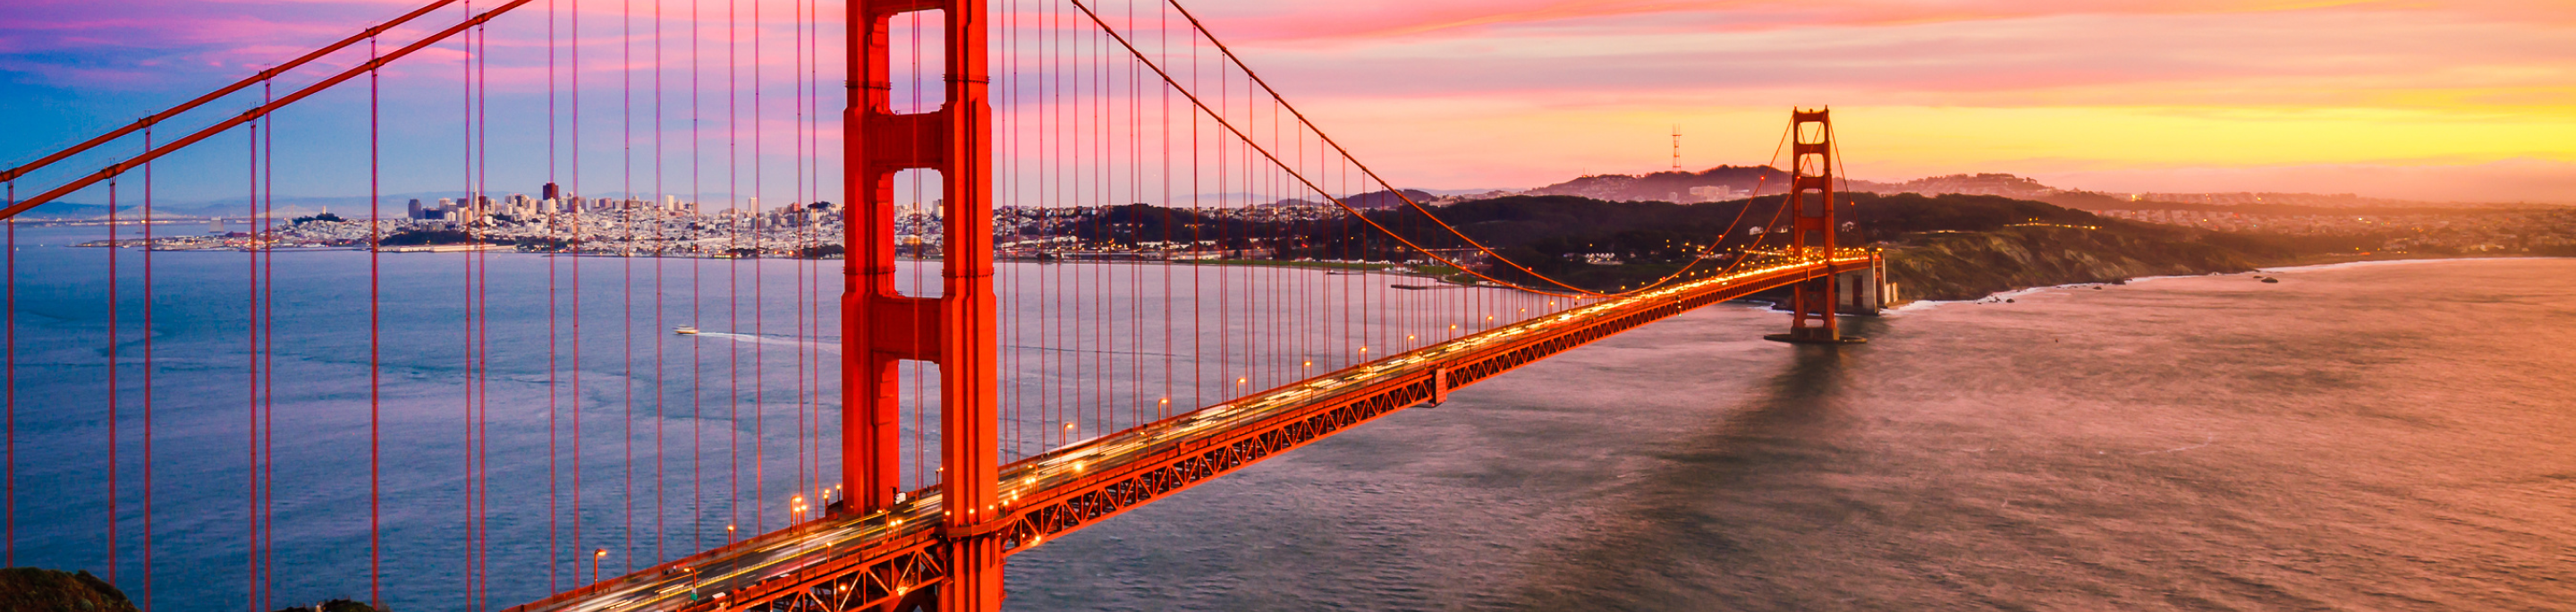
[29,589]
[336,605]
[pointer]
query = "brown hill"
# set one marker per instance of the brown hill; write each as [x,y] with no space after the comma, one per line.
[30,589]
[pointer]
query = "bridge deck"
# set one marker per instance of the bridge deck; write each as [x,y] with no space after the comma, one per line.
[845,562]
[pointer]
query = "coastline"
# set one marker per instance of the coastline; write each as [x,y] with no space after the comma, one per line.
[1925,305]
[2300,267]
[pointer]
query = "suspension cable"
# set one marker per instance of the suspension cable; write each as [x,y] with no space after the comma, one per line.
[254,114]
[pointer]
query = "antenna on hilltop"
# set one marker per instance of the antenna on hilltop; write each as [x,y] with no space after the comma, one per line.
[1677,148]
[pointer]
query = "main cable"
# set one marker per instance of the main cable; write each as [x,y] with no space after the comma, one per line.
[1274,159]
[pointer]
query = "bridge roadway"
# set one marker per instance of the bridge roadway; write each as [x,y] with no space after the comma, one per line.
[856,562]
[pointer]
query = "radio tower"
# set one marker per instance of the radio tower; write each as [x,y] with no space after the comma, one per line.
[1677,148]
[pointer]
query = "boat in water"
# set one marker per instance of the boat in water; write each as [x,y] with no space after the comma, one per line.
[685,330]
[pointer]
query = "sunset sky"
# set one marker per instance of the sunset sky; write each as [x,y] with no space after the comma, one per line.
[2421,99]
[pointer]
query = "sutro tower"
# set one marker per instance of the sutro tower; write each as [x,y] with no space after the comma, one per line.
[1677,147]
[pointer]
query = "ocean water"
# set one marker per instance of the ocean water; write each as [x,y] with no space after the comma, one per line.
[2361,437]
[2369,436]
[657,441]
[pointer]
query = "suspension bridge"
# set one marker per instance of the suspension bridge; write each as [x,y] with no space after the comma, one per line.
[1085,258]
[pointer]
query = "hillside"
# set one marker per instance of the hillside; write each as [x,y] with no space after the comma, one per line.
[1664,186]
[1940,247]
[1744,180]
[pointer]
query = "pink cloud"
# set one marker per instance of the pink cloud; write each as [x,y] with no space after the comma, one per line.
[139,43]
[2329,58]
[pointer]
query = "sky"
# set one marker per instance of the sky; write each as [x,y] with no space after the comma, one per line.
[2448,100]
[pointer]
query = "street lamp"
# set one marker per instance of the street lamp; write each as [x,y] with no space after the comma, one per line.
[595,557]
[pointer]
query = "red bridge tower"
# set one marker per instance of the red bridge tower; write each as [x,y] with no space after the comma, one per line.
[1813,302]
[955,330]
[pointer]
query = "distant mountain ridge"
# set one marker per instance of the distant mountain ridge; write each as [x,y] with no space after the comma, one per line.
[1667,186]
[1368,201]
[1741,181]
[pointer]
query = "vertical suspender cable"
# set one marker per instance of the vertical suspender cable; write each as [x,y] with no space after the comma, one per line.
[375,334]
[815,268]
[660,217]
[112,391]
[1101,173]
[1065,166]
[1163,408]
[1198,223]
[626,262]
[9,396]
[250,248]
[268,363]
[464,216]
[796,263]
[923,473]
[573,206]
[148,307]
[759,303]
[554,201]
[267,262]
[733,267]
[480,263]
[697,369]
[1008,196]
[1135,268]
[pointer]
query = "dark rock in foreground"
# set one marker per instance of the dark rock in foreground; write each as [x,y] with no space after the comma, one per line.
[29,589]
[336,605]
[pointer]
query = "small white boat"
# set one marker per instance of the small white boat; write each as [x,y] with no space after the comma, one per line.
[685,330]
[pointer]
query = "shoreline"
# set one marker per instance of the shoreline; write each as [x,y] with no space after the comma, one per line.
[1924,305]
[2400,261]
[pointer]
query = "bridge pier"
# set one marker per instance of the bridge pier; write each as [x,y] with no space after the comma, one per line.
[1862,292]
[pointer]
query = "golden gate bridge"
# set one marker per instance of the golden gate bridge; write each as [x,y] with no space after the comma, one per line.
[948,409]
